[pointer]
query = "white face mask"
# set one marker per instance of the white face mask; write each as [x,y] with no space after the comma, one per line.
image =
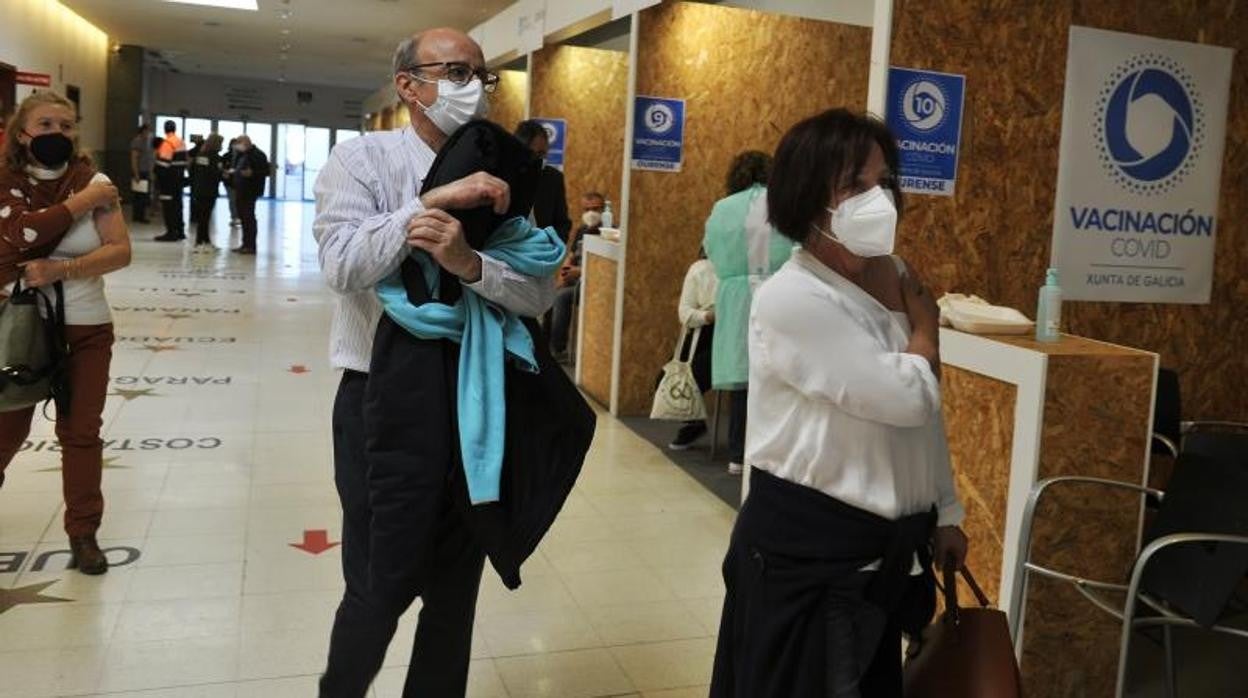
[591,219]
[866,224]
[456,105]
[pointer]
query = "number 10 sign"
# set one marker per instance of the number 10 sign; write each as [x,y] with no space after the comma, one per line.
[658,133]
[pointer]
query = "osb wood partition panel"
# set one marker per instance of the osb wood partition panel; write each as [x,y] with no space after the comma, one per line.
[507,102]
[1095,424]
[746,77]
[589,88]
[598,333]
[993,238]
[979,419]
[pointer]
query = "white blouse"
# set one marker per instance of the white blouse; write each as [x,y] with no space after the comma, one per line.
[697,295]
[85,302]
[836,404]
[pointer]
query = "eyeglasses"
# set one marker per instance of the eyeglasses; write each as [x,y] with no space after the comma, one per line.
[460,74]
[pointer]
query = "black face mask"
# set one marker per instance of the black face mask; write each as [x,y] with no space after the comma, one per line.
[51,149]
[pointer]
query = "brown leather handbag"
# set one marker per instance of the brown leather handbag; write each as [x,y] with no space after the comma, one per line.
[965,653]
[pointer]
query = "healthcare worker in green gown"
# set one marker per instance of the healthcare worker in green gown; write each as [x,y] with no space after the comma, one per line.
[745,250]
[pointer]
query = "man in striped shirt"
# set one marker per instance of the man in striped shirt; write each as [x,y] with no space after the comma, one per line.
[369,216]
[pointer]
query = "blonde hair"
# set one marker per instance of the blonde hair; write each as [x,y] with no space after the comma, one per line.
[15,155]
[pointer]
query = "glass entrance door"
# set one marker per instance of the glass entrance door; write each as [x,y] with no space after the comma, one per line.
[316,152]
[290,169]
[304,151]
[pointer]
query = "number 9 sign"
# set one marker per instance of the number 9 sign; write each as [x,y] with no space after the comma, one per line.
[659,118]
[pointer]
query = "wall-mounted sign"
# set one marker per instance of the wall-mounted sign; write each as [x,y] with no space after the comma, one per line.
[1143,127]
[658,133]
[243,98]
[925,115]
[34,79]
[556,139]
[624,8]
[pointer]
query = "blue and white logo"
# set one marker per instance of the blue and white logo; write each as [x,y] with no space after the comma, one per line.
[659,118]
[552,133]
[1150,124]
[924,105]
[925,116]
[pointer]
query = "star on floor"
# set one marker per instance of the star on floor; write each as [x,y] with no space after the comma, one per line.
[109,463]
[134,394]
[18,596]
[157,348]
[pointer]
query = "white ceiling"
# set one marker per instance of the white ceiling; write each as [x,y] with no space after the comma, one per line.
[347,43]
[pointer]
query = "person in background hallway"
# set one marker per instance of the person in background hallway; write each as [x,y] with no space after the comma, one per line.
[369,216]
[569,281]
[197,142]
[745,251]
[155,211]
[205,182]
[171,160]
[87,235]
[851,492]
[142,160]
[550,204]
[231,153]
[251,172]
[697,310]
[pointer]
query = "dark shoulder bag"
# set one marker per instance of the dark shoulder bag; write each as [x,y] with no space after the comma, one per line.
[32,349]
[966,652]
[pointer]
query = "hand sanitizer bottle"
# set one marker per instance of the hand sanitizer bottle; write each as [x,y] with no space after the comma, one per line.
[1049,310]
[608,218]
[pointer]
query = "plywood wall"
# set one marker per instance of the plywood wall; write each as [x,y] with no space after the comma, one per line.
[589,88]
[507,102]
[993,238]
[747,77]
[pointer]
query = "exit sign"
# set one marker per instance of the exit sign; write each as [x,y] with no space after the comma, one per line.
[36,79]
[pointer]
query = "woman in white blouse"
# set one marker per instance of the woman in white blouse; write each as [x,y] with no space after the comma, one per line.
[851,494]
[697,312]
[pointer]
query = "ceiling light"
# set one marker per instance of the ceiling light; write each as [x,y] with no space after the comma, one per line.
[226,4]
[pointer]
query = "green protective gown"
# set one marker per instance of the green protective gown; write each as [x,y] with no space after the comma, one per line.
[745,250]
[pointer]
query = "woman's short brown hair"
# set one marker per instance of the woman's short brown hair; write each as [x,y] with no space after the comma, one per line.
[816,153]
[748,168]
[15,156]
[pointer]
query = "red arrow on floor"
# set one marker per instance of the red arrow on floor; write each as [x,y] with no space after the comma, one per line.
[315,542]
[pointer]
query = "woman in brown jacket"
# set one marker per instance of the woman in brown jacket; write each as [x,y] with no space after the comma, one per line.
[60,220]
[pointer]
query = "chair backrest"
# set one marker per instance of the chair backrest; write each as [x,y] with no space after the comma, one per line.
[1167,409]
[1222,445]
[1206,495]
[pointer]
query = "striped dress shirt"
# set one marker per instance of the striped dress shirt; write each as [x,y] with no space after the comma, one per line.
[365,196]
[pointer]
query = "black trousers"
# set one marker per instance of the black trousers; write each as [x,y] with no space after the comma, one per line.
[738,399]
[561,317]
[247,215]
[171,209]
[201,213]
[701,362]
[140,200]
[450,578]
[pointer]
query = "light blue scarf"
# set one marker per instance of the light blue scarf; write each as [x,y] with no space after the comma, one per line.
[484,331]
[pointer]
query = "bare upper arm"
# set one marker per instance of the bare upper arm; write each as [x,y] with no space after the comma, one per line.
[884,282]
[110,223]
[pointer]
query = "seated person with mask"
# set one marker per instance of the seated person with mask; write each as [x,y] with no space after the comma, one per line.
[568,282]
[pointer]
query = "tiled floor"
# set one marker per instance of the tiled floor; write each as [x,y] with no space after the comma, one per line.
[218,460]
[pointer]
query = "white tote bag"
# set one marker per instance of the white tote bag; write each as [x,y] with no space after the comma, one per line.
[678,397]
